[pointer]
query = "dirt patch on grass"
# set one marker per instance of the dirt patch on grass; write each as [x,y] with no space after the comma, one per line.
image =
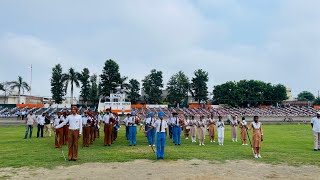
[145,169]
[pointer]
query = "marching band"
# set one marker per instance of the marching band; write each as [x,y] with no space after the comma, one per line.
[69,126]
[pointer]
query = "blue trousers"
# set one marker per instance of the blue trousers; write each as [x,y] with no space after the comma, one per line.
[151,136]
[161,143]
[170,131]
[176,134]
[127,132]
[28,127]
[132,134]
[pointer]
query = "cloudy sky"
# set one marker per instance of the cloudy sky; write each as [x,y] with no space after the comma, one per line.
[277,41]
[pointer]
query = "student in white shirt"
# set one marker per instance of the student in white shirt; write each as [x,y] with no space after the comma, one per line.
[126,119]
[220,129]
[149,122]
[315,124]
[108,127]
[161,129]
[40,121]
[58,132]
[132,123]
[74,132]
[30,121]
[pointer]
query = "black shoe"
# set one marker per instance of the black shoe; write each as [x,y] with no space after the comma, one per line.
[315,149]
[69,159]
[74,160]
[179,144]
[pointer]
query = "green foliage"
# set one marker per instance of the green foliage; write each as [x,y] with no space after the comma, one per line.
[316,101]
[293,148]
[1,87]
[20,85]
[134,91]
[85,84]
[57,84]
[110,77]
[199,88]
[305,96]
[252,92]
[178,88]
[94,89]
[151,86]
[71,77]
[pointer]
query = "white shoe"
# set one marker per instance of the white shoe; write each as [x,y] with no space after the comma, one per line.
[154,145]
[243,144]
[259,156]
[187,138]
[211,141]
[214,141]
[149,145]
[236,140]
[246,144]
[200,144]
[255,156]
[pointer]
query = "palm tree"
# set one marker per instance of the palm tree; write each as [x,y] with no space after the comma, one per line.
[20,85]
[1,87]
[71,77]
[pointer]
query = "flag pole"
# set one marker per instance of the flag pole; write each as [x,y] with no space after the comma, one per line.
[30,79]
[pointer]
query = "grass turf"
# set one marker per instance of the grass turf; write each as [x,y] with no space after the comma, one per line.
[289,144]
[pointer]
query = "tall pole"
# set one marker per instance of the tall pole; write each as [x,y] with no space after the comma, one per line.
[30,79]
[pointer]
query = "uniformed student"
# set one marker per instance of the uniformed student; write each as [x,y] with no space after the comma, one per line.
[234,124]
[315,124]
[58,132]
[161,129]
[193,126]
[176,129]
[126,119]
[74,132]
[132,123]
[212,126]
[201,130]
[108,126]
[257,136]
[151,134]
[243,131]
[86,121]
[220,129]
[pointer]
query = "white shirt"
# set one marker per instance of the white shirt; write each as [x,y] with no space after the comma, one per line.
[150,121]
[106,118]
[175,121]
[220,124]
[75,122]
[201,123]
[85,120]
[131,120]
[157,124]
[41,120]
[57,121]
[31,119]
[316,124]
[126,120]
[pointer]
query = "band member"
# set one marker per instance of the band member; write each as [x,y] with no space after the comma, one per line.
[99,119]
[201,130]
[132,123]
[116,126]
[257,136]
[176,125]
[30,121]
[234,124]
[74,133]
[108,126]
[186,127]
[47,125]
[151,134]
[41,121]
[220,129]
[86,122]
[170,127]
[65,128]
[92,124]
[243,131]
[161,128]
[212,126]
[193,126]
[58,132]
[126,120]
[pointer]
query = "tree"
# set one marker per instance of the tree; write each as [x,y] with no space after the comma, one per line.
[178,88]
[85,85]
[134,91]
[316,101]
[7,91]
[71,77]
[305,96]
[199,88]
[110,77]
[20,85]
[57,84]
[249,92]
[94,89]
[151,86]
[1,87]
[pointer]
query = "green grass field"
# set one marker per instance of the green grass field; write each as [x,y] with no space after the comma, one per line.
[283,144]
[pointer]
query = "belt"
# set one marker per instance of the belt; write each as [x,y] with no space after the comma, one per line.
[161,132]
[73,129]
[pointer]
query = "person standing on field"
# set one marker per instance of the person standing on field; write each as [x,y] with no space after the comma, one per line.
[40,122]
[315,124]
[30,121]
[257,136]
[74,132]
[243,131]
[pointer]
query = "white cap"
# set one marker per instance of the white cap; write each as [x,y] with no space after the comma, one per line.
[318,113]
